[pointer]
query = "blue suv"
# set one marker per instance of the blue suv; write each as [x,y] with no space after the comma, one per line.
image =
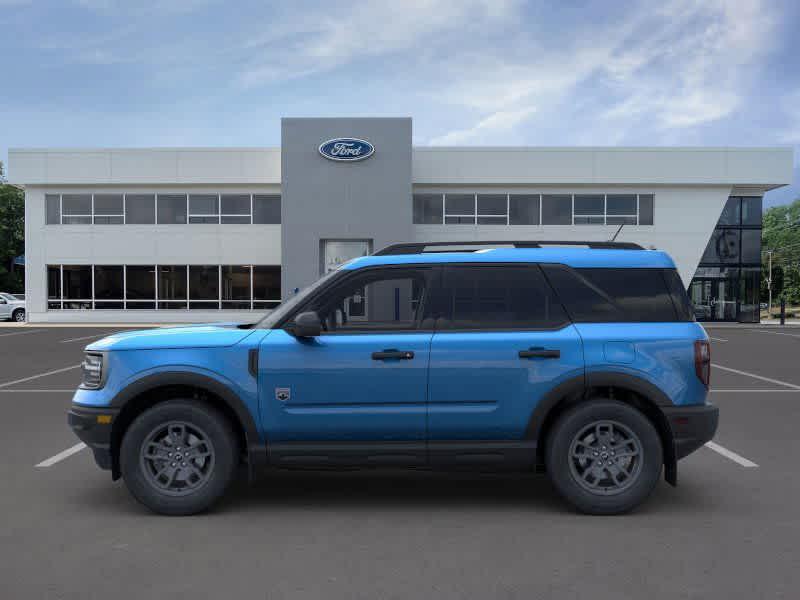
[581,360]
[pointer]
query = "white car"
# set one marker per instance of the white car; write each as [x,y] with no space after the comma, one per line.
[12,308]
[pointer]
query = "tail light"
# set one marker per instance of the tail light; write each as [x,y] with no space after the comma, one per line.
[702,361]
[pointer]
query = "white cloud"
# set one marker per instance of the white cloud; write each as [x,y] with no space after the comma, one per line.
[681,65]
[500,121]
[301,45]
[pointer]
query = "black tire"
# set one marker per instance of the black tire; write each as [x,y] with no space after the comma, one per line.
[568,456]
[138,470]
[18,315]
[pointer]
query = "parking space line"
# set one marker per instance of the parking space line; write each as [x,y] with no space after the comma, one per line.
[22,332]
[49,462]
[44,391]
[794,335]
[24,379]
[87,337]
[717,339]
[754,376]
[740,460]
[756,391]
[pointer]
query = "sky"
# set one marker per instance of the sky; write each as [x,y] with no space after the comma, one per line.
[105,73]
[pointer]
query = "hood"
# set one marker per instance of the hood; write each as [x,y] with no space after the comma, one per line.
[210,335]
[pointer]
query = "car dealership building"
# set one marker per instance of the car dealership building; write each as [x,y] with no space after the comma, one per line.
[202,234]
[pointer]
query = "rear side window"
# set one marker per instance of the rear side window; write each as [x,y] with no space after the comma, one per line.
[680,299]
[616,295]
[498,297]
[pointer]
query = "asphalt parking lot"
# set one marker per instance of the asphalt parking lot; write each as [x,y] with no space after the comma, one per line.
[729,530]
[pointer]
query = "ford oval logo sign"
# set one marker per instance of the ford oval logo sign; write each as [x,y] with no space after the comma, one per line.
[351,149]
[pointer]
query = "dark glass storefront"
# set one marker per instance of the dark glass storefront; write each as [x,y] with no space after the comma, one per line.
[726,284]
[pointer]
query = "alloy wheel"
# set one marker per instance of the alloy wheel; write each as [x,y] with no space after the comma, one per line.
[605,457]
[177,458]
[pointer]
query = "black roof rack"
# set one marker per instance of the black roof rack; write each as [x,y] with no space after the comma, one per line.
[474,246]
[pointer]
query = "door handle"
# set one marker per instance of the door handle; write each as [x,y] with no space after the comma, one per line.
[539,353]
[392,353]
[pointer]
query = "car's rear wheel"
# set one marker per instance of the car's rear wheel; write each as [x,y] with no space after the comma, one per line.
[178,457]
[604,457]
[19,315]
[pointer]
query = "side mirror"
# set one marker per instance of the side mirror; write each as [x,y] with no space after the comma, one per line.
[307,324]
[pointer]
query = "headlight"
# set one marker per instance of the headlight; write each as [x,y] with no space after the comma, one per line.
[92,369]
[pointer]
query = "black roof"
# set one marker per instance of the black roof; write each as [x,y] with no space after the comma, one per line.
[474,246]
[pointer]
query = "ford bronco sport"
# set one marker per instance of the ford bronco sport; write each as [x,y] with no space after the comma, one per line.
[582,360]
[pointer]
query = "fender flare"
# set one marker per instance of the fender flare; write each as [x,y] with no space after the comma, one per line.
[578,386]
[256,448]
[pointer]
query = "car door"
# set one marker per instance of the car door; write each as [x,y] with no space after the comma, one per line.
[502,342]
[5,308]
[358,391]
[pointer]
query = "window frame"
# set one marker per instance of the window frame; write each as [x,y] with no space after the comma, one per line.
[612,220]
[153,303]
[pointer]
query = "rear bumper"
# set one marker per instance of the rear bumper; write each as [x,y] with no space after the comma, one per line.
[692,426]
[94,432]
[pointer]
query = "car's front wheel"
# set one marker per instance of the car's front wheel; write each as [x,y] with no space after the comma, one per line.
[604,457]
[19,315]
[179,457]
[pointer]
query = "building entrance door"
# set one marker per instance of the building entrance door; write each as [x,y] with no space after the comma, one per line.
[335,253]
[714,299]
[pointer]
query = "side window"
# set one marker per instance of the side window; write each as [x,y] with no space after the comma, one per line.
[498,297]
[613,295]
[376,300]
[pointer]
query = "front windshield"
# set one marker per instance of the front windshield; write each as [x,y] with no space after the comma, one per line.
[284,308]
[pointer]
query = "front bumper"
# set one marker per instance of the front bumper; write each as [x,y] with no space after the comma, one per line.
[692,426]
[93,427]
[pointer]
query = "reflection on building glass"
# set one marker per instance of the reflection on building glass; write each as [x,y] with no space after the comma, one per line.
[726,284]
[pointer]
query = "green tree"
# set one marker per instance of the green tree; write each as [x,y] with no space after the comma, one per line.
[781,235]
[12,235]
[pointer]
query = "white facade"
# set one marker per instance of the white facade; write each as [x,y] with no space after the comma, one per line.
[690,188]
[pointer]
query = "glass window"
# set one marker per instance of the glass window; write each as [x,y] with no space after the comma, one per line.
[749,294]
[172,286]
[171,209]
[236,287]
[557,209]
[523,209]
[459,209]
[646,209]
[621,204]
[266,286]
[235,208]
[335,253]
[723,247]
[267,209]
[54,286]
[492,209]
[613,295]
[751,211]
[76,209]
[53,209]
[751,246]
[680,299]
[203,208]
[108,209]
[494,297]
[77,286]
[108,282]
[730,214]
[377,300]
[140,209]
[589,209]
[140,283]
[203,286]
[428,209]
